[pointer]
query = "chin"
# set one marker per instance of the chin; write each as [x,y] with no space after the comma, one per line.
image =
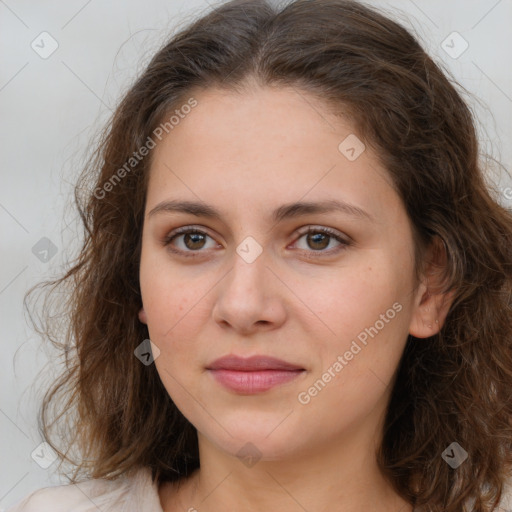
[255,443]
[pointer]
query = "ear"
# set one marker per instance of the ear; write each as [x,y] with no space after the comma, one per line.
[142,316]
[431,304]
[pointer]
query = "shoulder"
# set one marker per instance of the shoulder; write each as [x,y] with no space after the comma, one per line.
[133,492]
[506,498]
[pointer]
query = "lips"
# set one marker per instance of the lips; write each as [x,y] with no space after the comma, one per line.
[252,375]
[253,363]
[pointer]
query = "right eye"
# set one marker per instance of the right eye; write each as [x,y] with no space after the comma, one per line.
[190,240]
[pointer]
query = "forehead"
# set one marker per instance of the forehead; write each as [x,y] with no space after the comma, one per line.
[265,145]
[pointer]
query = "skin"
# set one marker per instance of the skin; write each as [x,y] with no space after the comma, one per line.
[247,154]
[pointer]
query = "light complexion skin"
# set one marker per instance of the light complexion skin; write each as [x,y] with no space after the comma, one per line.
[304,299]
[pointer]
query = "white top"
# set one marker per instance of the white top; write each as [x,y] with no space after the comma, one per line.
[128,493]
[134,493]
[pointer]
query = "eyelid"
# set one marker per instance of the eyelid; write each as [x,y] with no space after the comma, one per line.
[312,228]
[186,229]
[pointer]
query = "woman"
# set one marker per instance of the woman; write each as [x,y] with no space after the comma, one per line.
[290,206]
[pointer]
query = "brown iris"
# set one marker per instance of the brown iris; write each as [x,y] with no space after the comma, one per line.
[197,240]
[316,238]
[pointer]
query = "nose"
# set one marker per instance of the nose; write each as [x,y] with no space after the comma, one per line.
[250,298]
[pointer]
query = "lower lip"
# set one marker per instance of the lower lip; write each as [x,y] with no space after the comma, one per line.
[254,381]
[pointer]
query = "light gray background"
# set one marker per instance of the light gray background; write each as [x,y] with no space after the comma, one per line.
[50,108]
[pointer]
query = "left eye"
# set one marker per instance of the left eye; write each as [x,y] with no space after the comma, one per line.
[318,239]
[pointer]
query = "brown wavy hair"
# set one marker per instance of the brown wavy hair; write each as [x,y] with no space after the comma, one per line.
[454,386]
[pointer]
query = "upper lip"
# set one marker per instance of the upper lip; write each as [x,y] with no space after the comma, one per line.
[253,363]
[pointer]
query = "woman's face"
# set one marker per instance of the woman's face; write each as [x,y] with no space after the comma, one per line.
[249,281]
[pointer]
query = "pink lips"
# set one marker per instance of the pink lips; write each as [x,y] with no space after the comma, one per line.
[254,374]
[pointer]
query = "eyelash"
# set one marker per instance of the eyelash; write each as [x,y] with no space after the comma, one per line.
[310,229]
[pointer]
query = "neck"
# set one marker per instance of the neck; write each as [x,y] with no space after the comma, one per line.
[341,476]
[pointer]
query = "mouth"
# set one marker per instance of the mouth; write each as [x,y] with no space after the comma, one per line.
[253,375]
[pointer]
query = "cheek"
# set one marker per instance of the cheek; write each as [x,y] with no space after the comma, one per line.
[169,298]
[353,297]
[176,305]
[358,363]
[361,316]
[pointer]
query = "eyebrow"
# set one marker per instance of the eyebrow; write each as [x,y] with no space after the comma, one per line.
[286,211]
